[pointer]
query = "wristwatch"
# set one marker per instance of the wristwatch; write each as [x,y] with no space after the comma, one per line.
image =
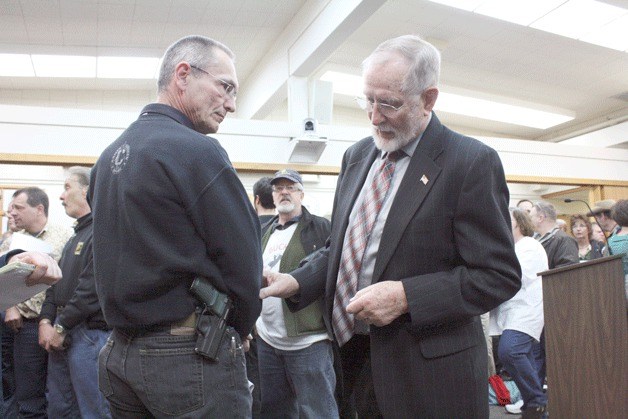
[59,329]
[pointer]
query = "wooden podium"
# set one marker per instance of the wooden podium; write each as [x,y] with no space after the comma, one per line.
[586,340]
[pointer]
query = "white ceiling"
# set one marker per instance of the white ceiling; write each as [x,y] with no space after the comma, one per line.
[276,39]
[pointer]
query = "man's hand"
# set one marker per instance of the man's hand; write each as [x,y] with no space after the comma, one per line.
[13,318]
[246,342]
[49,339]
[278,285]
[380,303]
[46,271]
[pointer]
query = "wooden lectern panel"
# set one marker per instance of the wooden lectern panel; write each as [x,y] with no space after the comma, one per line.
[586,339]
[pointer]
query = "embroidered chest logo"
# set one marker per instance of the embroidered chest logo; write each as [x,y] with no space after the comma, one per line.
[79,248]
[120,158]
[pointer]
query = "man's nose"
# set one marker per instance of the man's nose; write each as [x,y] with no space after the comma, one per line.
[376,116]
[230,104]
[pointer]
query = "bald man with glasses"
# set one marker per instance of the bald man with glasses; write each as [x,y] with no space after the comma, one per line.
[169,208]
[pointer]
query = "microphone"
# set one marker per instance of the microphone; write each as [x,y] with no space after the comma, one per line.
[569,200]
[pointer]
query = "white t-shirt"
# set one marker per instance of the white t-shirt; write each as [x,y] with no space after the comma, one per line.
[271,325]
[524,311]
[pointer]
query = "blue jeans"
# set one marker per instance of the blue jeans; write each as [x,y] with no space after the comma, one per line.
[159,374]
[516,354]
[297,384]
[30,363]
[73,376]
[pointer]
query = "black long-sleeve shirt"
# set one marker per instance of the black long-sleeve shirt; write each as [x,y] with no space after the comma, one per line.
[168,206]
[76,292]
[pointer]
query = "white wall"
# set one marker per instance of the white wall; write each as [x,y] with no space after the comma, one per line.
[79,132]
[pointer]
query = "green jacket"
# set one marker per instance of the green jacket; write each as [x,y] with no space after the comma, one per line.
[311,233]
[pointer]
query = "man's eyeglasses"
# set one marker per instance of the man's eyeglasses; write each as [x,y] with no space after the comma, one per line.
[289,188]
[229,88]
[385,109]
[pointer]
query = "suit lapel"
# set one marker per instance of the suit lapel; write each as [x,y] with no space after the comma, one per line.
[420,177]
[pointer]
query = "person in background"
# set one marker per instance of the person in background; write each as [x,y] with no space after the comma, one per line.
[602,212]
[30,361]
[582,231]
[265,209]
[295,352]
[420,246]
[520,319]
[169,212]
[562,224]
[597,233]
[561,249]
[618,242]
[525,205]
[7,386]
[11,226]
[72,328]
[263,201]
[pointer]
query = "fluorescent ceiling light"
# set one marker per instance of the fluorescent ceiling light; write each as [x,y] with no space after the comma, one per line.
[495,111]
[590,21]
[351,85]
[461,4]
[344,84]
[64,66]
[519,12]
[16,65]
[577,18]
[126,67]
[614,35]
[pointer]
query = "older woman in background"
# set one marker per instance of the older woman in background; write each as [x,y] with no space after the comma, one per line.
[581,229]
[520,319]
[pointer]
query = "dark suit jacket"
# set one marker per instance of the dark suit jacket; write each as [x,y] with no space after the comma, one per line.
[449,241]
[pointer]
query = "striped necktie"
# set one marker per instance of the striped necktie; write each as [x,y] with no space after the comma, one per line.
[358,233]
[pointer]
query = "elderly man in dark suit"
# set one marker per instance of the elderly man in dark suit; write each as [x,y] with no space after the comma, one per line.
[420,247]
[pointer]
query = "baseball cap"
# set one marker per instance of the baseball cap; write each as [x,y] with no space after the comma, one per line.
[291,175]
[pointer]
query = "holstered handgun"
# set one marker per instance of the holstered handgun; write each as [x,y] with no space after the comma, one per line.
[212,322]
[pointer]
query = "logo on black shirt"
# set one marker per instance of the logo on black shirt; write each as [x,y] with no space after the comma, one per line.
[120,158]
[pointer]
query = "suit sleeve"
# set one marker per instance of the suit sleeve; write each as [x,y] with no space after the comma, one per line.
[486,271]
[312,276]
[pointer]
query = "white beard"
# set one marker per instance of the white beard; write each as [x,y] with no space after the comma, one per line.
[286,207]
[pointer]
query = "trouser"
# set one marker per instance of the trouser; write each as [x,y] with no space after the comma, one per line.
[358,395]
[73,376]
[516,353]
[252,372]
[159,374]
[297,384]
[30,363]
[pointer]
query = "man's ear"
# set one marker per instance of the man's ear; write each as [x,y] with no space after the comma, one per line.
[429,97]
[181,73]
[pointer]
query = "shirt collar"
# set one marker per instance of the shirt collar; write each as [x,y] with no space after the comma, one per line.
[170,112]
[288,223]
